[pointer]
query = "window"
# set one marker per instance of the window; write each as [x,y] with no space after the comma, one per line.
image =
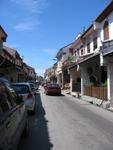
[78,51]
[75,53]
[106,30]
[88,47]
[94,43]
[71,50]
[82,50]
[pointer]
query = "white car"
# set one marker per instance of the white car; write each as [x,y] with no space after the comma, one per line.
[23,89]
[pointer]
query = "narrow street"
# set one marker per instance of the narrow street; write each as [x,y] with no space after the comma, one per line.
[66,123]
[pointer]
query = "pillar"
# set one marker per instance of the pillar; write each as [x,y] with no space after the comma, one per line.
[84,78]
[110,82]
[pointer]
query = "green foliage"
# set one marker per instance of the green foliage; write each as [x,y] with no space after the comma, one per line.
[104,84]
[71,59]
[90,84]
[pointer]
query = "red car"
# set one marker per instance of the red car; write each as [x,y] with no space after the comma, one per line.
[52,88]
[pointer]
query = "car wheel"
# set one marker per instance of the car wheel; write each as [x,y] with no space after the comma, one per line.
[59,94]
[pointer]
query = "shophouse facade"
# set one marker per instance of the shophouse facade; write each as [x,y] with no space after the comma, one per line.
[11,63]
[50,74]
[91,72]
[63,62]
[31,74]
[95,58]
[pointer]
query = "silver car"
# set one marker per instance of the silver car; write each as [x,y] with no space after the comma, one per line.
[24,89]
[13,117]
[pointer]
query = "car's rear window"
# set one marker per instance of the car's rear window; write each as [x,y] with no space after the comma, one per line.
[21,89]
[53,85]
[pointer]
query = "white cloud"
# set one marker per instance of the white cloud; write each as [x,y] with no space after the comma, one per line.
[26,26]
[30,8]
[34,6]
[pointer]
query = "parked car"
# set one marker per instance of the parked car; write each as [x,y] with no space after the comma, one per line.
[24,89]
[52,88]
[13,117]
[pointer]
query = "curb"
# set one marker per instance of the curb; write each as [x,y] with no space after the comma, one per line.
[91,102]
[110,109]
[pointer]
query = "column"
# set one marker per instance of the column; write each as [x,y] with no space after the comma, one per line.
[62,80]
[84,78]
[110,82]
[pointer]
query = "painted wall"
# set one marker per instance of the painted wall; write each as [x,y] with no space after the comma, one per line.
[63,58]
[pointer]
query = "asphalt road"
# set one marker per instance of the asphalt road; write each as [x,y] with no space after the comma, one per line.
[66,123]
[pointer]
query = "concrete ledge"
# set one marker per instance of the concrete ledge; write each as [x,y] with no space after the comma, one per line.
[92,100]
[76,94]
[110,109]
[106,105]
[96,101]
[65,91]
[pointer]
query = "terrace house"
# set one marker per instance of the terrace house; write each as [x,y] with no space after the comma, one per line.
[78,52]
[63,62]
[95,54]
[11,64]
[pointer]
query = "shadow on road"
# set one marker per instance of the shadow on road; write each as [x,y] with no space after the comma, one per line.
[38,138]
[55,95]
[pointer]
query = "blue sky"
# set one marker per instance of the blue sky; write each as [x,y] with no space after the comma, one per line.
[39,28]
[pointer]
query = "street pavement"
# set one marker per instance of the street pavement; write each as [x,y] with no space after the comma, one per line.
[66,123]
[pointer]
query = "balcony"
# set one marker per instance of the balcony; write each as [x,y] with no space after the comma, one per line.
[107,47]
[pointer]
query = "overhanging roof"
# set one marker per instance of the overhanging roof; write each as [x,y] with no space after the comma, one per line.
[88,31]
[88,57]
[105,12]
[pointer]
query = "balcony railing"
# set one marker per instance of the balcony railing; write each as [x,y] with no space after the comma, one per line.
[107,47]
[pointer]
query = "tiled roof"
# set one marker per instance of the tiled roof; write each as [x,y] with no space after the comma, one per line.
[11,51]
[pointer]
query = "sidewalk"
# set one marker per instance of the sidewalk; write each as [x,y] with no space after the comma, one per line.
[91,100]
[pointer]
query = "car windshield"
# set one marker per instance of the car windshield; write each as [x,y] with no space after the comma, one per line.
[21,89]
